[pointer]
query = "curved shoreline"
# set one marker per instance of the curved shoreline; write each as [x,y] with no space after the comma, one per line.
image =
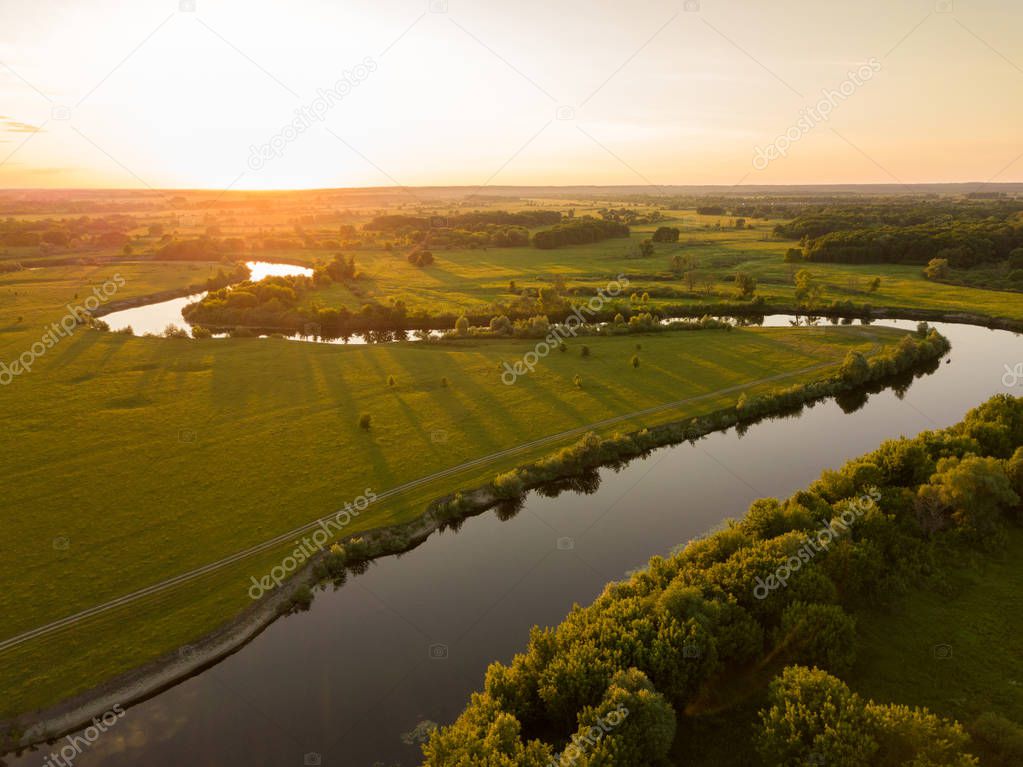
[134,686]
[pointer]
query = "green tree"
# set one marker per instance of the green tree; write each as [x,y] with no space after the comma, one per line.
[462,326]
[814,716]
[808,291]
[745,284]
[936,269]
[818,635]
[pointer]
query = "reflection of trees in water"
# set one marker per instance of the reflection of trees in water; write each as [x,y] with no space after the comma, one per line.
[454,525]
[586,483]
[508,508]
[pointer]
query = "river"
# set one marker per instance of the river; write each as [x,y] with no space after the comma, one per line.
[406,642]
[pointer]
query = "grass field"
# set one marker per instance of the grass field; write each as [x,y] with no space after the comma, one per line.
[471,280]
[128,460]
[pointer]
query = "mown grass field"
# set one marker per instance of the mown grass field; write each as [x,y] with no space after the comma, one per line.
[129,460]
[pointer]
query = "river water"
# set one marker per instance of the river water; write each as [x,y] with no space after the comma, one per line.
[406,642]
[154,318]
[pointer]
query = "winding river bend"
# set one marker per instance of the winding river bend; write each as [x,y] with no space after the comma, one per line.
[407,641]
[154,318]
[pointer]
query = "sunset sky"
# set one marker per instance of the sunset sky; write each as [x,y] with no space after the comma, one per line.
[152,93]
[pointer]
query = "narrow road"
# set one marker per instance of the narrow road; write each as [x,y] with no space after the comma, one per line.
[259,548]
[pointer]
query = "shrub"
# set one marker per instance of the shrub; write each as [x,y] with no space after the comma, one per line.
[819,635]
[1002,736]
[509,484]
[936,269]
[391,381]
[365,420]
[635,360]
[584,351]
[814,716]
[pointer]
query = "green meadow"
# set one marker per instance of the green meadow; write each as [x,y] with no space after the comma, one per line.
[472,279]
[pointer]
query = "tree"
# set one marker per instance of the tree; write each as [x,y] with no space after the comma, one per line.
[632,726]
[814,718]
[666,234]
[1016,259]
[584,350]
[855,368]
[420,258]
[936,269]
[646,248]
[500,325]
[874,285]
[819,635]
[793,256]
[808,290]
[462,326]
[972,491]
[745,284]
[365,420]
[635,360]
[811,715]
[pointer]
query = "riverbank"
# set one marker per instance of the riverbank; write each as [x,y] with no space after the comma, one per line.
[585,455]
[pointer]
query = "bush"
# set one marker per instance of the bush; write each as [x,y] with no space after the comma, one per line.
[365,420]
[813,718]
[1001,736]
[819,635]
[584,351]
[508,485]
[936,269]
[635,360]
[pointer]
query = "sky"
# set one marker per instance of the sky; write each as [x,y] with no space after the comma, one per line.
[223,94]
